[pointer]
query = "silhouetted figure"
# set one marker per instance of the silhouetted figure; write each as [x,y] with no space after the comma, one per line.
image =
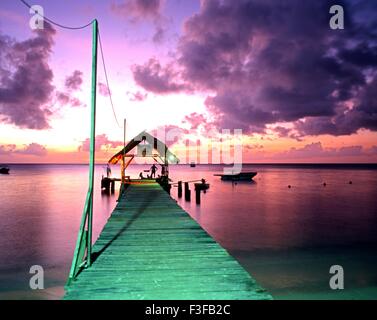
[108,171]
[153,171]
[141,175]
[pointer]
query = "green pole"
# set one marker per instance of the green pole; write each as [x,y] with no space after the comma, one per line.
[92,138]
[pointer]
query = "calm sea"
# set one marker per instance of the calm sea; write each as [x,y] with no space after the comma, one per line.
[287,238]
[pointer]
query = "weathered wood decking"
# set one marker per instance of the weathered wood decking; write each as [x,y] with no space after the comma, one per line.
[151,248]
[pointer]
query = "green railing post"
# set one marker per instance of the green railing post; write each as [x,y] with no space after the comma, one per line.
[84,238]
[92,138]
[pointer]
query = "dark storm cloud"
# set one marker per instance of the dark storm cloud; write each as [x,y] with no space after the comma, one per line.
[277,61]
[347,121]
[26,80]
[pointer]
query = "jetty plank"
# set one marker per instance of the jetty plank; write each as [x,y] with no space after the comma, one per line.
[150,248]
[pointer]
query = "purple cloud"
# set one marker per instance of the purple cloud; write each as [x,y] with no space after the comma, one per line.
[154,78]
[66,99]
[195,120]
[74,81]
[72,84]
[7,149]
[170,134]
[316,150]
[33,149]
[137,96]
[26,80]
[103,89]
[137,10]
[102,141]
[268,62]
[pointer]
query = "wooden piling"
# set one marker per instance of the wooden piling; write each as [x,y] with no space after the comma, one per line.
[179,189]
[197,194]
[187,192]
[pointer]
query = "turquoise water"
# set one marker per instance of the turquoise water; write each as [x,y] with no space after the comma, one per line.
[287,238]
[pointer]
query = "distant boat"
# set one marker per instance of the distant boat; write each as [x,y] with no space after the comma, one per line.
[4,170]
[242,176]
[192,164]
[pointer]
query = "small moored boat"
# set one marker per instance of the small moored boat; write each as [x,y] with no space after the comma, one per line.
[4,170]
[242,176]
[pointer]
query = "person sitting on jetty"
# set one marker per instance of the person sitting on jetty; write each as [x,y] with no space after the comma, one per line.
[153,171]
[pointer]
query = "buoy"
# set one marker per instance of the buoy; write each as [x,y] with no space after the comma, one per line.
[324,184]
[289,186]
[350,182]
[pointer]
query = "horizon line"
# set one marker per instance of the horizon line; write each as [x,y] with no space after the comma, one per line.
[197,164]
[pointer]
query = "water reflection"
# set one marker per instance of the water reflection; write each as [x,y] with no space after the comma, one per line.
[276,231]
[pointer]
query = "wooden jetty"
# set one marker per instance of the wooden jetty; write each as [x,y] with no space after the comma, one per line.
[151,248]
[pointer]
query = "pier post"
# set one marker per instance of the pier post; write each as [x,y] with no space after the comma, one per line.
[187,192]
[179,189]
[197,194]
[112,186]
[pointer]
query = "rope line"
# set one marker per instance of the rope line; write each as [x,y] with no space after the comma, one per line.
[101,48]
[107,79]
[55,23]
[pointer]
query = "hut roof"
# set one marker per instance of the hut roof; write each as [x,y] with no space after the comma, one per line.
[154,147]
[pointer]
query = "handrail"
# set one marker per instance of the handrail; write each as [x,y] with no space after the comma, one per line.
[82,242]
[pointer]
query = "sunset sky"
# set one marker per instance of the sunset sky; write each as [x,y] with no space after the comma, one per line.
[300,91]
